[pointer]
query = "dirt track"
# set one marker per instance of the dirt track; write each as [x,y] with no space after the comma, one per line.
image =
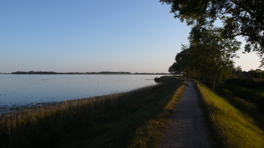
[186,128]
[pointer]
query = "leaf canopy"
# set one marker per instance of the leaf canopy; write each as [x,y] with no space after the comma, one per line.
[240,18]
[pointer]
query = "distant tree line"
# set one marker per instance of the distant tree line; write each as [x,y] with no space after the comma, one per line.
[34,72]
[103,72]
[51,72]
[257,74]
[145,73]
[108,72]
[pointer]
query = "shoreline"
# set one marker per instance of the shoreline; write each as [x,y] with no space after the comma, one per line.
[6,110]
[24,91]
[95,122]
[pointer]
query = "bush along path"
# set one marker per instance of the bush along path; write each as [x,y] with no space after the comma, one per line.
[185,128]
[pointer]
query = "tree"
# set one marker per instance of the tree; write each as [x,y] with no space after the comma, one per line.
[219,51]
[240,18]
[174,68]
[252,73]
[209,55]
[255,73]
[184,61]
[237,71]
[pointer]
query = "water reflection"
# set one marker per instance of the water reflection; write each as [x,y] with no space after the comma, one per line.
[31,89]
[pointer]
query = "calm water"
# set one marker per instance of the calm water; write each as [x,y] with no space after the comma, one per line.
[26,89]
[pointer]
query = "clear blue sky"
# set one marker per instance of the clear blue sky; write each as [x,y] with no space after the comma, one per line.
[92,35]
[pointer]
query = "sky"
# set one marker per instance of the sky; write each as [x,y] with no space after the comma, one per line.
[93,36]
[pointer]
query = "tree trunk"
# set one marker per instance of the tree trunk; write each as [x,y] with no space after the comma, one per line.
[217,84]
[213,78]
[213,82]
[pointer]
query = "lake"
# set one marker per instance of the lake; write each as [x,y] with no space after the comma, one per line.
[17,90]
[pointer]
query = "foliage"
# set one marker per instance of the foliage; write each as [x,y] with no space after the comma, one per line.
[248,83]
[255,96]
[209,55]
[258,73]
[174,68]
[218,51]
[237,71]
[240,18]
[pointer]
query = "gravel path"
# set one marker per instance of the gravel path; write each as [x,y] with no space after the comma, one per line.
[186,128]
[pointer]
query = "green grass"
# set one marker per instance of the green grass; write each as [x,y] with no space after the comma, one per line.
[248,101]
[108,121]
[230,126]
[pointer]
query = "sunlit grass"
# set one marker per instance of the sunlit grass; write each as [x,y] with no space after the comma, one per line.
[232,127]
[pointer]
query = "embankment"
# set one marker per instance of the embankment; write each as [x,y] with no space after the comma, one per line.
[117,120]
[230,126]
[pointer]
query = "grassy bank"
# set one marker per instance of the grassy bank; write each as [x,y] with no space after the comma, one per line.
[231,126]
[109,121]
[248,101]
